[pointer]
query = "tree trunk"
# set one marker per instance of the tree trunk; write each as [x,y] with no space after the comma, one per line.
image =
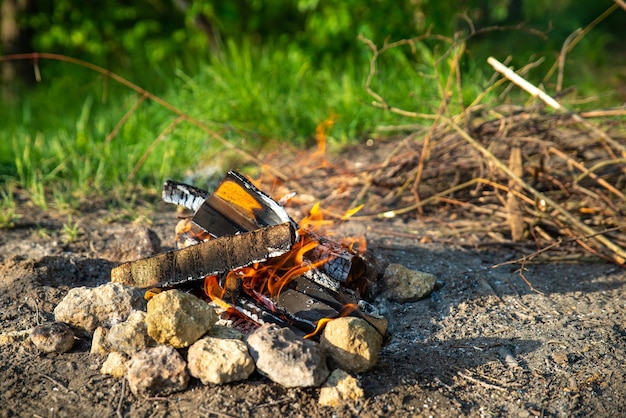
[13,40]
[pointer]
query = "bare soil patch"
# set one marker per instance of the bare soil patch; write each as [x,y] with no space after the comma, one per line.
[482,344]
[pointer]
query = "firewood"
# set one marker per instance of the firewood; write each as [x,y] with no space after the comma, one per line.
[208,258]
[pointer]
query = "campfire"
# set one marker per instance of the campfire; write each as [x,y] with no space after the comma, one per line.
[241,251]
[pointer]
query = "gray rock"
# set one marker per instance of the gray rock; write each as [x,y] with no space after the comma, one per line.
[340,388]
[115,364]
[100,342]
[218,361]
[131,335]
[52,337]
[222,331]
[156,371]
[351,343]
[286,358]
[105,305]
[178,318]
[405,285]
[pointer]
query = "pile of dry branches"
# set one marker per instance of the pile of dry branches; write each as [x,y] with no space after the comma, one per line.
[524,176]
[541,174]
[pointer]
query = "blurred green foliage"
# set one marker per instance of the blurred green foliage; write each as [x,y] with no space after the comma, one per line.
[121,34]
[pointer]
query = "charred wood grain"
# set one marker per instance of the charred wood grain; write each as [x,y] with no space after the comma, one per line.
[208,258]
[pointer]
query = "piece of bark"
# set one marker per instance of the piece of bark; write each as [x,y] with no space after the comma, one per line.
[515,215]
[208,258]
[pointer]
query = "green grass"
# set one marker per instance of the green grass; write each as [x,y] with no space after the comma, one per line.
[57,143]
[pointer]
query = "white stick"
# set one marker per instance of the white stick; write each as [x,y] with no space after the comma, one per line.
[525,85]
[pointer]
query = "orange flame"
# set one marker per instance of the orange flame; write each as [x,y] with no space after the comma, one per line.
[320,138]
[265,281]
[345,311]
[215,292]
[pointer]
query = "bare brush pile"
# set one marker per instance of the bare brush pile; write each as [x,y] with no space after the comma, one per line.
[509,174]
[524,176]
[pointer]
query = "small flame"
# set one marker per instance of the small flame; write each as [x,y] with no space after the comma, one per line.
[321,324]
[320,138]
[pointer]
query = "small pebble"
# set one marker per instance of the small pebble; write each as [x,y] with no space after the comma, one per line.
[340,388]
[115,364]
[52,337]
[405,285]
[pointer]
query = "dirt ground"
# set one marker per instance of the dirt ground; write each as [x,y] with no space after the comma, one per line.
[483,344]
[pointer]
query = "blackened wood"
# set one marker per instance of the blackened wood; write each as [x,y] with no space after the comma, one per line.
[218,218]
[240,205]
[208,258]
[184,195]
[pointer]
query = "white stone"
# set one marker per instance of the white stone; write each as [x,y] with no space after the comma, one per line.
[218,361]
[286,358]
[106,305]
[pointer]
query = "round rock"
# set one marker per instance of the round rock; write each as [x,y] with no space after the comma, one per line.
[218,361]
[351,343]
[157,371]
[178,318]
[405,285]
[52,337]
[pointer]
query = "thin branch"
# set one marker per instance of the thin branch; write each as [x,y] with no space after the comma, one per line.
[118,410]
[523,84]
[622,3]
[153,145]
[481,383]
[581,35]
[589,173]
[562,55]
[124,118]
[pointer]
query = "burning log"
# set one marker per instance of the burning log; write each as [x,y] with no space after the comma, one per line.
[257,261]
[238,206]
[207,258]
